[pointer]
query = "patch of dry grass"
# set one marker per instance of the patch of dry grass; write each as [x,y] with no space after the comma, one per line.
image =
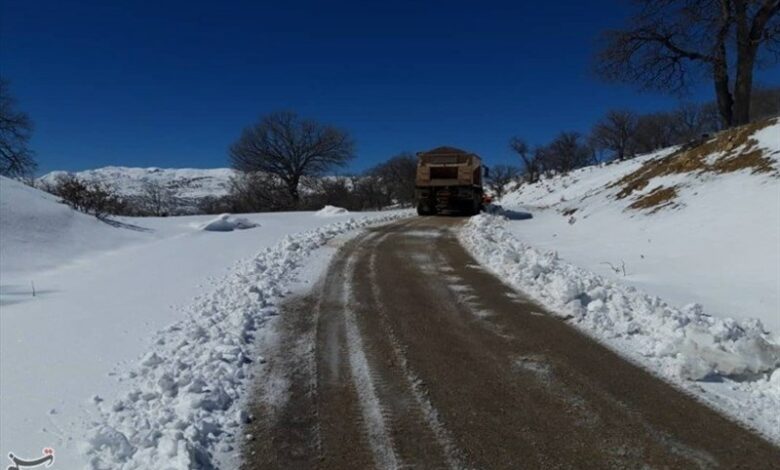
[656,199]
[728,151]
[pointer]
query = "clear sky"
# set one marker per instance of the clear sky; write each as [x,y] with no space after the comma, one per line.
[172,83]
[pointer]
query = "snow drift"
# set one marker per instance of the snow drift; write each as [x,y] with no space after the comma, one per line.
[696,225]
[227,223]
[679,344]
[38,232]
[331,211]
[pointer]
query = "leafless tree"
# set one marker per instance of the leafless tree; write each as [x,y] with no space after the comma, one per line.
[373,193]
[291,148]
[654,131]
[670,42]
[156,199]
[567,152]
[766,102]
[615,133]
[500,177]
[532,169]
[396,178]
[98,199]
[691,121]
[257,192]
[16,158]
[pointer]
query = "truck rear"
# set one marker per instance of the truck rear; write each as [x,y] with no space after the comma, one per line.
[449,180]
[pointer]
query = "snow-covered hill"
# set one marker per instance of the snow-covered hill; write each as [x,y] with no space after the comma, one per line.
[700,225]
[188,185]
[38,233]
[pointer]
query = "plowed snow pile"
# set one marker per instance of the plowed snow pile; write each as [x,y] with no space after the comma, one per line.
[227,223]
[655,257]
[181,403]
[331,211]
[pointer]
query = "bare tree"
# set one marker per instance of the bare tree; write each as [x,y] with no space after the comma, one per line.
[257,192]
[96,198]
[156,199]
[532,169]
[290,148]
[654,131]
[396,177]
[615,132]
[567,152]
[669,42]
[16,158]
[373,193]
[766,102]
[500,177]
[691,121]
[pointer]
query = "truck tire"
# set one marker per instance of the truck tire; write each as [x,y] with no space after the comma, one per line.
[474,209]
[421,210]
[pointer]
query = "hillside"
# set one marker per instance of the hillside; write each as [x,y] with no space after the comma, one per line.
[690,225]
[189,185]
[40,233]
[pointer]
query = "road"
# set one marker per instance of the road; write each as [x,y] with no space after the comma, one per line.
[409,355]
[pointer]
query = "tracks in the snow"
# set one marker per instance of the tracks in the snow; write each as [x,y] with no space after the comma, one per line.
[407,355]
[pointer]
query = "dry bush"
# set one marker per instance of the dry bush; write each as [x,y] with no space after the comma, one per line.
[92,197]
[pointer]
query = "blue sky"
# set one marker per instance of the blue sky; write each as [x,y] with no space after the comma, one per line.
[172,83]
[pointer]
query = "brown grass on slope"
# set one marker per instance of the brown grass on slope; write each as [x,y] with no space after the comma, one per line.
[726,152]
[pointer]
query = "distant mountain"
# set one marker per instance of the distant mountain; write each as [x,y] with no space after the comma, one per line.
[189,185]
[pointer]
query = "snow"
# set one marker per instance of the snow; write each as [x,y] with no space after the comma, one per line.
[331,211]
[379,438]
[38,233]
[132,324]
[685,346]
[227,223]
[720,247]
[690,291]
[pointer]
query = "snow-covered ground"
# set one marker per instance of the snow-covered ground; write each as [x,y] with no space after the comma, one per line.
[692,263]
[719,246]
[137,332]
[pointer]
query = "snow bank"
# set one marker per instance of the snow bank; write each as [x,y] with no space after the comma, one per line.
[181,403]
[226,223]
[331,211]
[38,232]
[681,345]
[717,243]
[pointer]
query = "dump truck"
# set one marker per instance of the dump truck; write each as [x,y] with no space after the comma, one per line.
[449,180]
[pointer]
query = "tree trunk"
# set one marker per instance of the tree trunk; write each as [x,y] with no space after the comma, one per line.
[292,189]
[746,57]
[723,95]
[743,88]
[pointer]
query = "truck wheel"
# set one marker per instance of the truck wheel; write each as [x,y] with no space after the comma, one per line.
[422,211]
[474,209]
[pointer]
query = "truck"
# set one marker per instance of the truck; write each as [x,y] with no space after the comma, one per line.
[449,180]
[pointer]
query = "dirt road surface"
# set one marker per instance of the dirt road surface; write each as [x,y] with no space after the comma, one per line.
[409,355]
